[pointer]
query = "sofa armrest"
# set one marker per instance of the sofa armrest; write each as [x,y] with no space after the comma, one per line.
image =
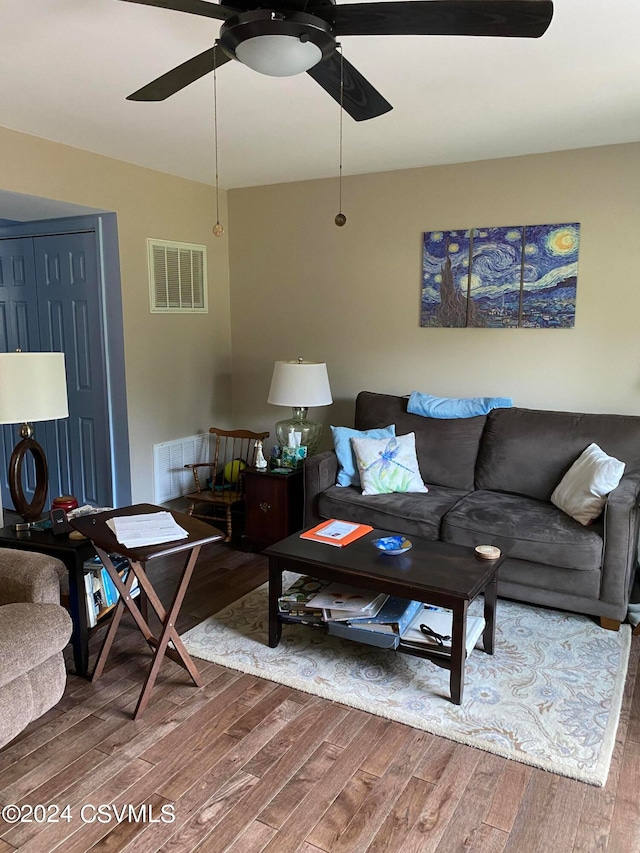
[320,473]
[621,525]
[26,576]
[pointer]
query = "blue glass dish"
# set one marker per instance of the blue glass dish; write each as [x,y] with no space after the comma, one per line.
[392,544]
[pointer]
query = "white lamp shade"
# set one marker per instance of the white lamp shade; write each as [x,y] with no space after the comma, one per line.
[300,384]
[33,387]
[278,55]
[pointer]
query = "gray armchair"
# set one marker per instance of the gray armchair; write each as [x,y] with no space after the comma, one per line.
[34,629]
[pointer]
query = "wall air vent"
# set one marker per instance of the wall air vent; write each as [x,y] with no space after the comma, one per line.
[177,277]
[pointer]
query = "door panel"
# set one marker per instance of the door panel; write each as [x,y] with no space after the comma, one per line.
[18,329]
[70,321]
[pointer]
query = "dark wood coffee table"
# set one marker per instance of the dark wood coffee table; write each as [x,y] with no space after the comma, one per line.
[437,573]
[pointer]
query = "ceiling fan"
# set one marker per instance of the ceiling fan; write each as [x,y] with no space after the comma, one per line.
[286,37]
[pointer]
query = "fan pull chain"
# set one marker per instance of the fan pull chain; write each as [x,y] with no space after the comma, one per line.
[340,217]
[217,229]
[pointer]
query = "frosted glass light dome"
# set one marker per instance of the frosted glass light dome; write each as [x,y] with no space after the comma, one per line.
[278,55]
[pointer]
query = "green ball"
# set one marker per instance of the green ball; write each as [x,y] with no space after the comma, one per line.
[232,470]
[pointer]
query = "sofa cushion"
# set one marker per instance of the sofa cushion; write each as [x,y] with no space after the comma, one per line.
[413,513]
[528,581]
[446,449]
[527,452]
[526,529]
[29,635]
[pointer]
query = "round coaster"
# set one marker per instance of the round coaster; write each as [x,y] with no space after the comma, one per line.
[488,552]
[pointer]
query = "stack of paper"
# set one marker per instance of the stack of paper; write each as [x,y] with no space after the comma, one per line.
[140,531]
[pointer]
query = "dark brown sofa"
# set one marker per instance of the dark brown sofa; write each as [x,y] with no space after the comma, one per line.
[34,629]
[490,480]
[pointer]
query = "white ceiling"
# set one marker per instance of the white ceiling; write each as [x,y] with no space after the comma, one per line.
[67,65]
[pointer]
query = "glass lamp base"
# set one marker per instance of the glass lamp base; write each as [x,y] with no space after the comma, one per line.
[310,431]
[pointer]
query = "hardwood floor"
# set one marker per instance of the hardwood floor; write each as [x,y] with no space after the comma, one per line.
[245,765]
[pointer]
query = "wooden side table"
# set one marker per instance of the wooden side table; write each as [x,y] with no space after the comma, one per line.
[168,643]
[273,505]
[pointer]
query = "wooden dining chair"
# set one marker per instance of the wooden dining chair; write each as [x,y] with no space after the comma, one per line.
[221,492]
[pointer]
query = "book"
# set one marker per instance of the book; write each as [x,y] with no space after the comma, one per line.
[335,532]
[100,591]
[304,618]
[358,635]
[90,603]
[107,586]
[301,590]
[338,596]
[393,618]
[440,621]
[337,614]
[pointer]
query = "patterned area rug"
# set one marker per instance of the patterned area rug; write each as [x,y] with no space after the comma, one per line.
[550,696]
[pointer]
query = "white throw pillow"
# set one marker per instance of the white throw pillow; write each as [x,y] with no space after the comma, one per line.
[583,490]
[388,464]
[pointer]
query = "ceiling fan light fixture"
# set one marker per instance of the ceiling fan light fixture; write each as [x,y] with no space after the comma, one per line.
[278,44]
[278,55]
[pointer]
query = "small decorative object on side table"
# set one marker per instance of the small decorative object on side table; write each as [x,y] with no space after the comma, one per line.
[273,505]
[261,462]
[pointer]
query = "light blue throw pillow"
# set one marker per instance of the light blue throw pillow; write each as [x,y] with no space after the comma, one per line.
[449,407]
[347,468]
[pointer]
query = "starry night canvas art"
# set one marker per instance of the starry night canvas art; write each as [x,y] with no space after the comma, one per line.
[521,276]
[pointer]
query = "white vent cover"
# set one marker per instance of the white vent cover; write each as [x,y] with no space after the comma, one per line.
[170,478]
[177,277]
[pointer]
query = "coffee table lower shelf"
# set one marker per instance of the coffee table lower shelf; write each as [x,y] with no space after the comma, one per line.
[438,573]
[444,661]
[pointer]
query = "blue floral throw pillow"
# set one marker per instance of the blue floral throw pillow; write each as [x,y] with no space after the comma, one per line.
[347,469]
[388,465]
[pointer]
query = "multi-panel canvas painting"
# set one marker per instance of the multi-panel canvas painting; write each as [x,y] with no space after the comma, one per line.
[521,276]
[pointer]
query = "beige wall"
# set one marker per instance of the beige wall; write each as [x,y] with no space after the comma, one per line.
[178,368]
[350,296]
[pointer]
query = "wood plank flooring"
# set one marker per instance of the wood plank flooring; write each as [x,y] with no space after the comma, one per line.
[244,765]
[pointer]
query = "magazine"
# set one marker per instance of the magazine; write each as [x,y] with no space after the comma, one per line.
[338,596]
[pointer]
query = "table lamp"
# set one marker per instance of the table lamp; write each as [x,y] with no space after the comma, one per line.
[300,384]
[33,387]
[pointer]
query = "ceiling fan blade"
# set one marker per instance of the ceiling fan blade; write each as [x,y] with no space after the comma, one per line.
[193,7]
[190,71]
[359,98]
[508,18]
